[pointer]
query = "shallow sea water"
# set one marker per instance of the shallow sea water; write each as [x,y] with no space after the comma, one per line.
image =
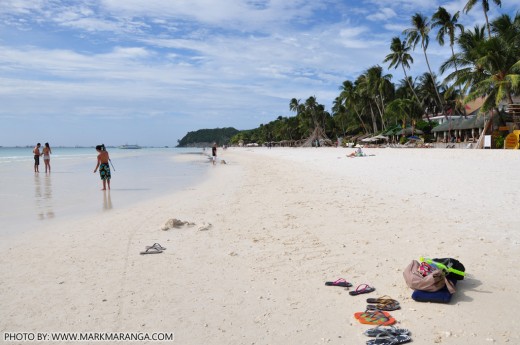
[72,189]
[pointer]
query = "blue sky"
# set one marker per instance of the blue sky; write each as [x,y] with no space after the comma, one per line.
[148,71]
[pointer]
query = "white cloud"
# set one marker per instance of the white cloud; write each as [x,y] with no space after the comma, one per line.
[383,14]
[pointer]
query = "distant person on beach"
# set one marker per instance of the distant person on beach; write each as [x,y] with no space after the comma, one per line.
[37,155]
[214,153]
[102,164]
[47,157]
[357,153]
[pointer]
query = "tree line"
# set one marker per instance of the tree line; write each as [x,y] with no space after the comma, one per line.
[206,137]
[485,64]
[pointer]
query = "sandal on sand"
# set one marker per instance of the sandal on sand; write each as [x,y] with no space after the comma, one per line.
[391,330]
[389,340]
[151,250]
[375,318]
[385,307]
[340,282]
[382,300]
[363,288]
[156,246]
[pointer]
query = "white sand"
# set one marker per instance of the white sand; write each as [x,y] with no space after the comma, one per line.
[284,221]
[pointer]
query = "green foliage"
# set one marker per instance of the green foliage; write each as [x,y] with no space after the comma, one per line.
[499,141]
[207,136]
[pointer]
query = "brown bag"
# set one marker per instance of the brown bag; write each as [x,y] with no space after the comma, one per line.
[432,282]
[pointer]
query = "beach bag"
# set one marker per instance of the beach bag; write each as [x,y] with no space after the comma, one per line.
[426,278]
[452,263]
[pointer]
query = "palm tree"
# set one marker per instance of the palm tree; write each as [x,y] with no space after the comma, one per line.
[427,89]
[490,67]
[485,7]
[400,57]
[419,33]
[364,89]
[501,75]
[401,109]
[508,29]
[349,97]
[381,89]
[447,25]
[470,71]
[294,105]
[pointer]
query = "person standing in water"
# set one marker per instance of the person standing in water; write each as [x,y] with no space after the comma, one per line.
[37,154]
[214,153]
[102,164]
[47,157]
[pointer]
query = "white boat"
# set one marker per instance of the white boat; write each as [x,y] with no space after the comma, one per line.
[130,147]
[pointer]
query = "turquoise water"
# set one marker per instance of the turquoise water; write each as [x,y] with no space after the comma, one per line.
[72,188]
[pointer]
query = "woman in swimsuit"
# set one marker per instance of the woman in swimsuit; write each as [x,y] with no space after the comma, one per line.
[47,157]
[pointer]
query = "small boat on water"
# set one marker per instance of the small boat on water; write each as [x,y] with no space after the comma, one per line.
[130,147]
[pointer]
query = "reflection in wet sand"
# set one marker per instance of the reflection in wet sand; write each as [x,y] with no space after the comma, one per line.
[43,199]
[107,201]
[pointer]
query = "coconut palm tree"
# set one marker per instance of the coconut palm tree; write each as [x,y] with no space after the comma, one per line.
[419,33]
[469,71]
[427,89]
[400,57]
[501,74]
[351,100]
[447,25]
[485,7]
[294,105]
[381,89]
[364,89]
[401,109]
[508,29]
[490,67]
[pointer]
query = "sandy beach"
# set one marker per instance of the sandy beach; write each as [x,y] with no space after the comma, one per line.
[276,224]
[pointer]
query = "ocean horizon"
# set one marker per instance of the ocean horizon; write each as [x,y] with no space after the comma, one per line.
[72,189]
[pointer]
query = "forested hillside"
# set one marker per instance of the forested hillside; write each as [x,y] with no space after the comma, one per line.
[206,137]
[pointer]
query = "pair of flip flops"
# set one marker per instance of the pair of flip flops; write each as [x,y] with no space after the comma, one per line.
[384,303]
[375,317]
[387,335]
[156,248]
[361,289]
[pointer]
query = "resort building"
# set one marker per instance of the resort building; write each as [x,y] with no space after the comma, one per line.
[469,128]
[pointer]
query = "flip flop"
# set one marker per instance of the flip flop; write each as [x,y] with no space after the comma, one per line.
[385,307]
[382,300]
[363,288]
[389,340]
[151,250]
[156,246]
[340,282]
[375,318]
[391,330]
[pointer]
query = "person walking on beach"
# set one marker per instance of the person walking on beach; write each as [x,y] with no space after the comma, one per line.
[37,155]
[214,153]
[102,164]
[47,157]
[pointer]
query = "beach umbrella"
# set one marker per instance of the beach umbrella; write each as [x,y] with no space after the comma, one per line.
[381,137]
[414,137]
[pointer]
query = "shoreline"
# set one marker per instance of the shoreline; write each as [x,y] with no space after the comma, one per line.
[284,221]
[31,200]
